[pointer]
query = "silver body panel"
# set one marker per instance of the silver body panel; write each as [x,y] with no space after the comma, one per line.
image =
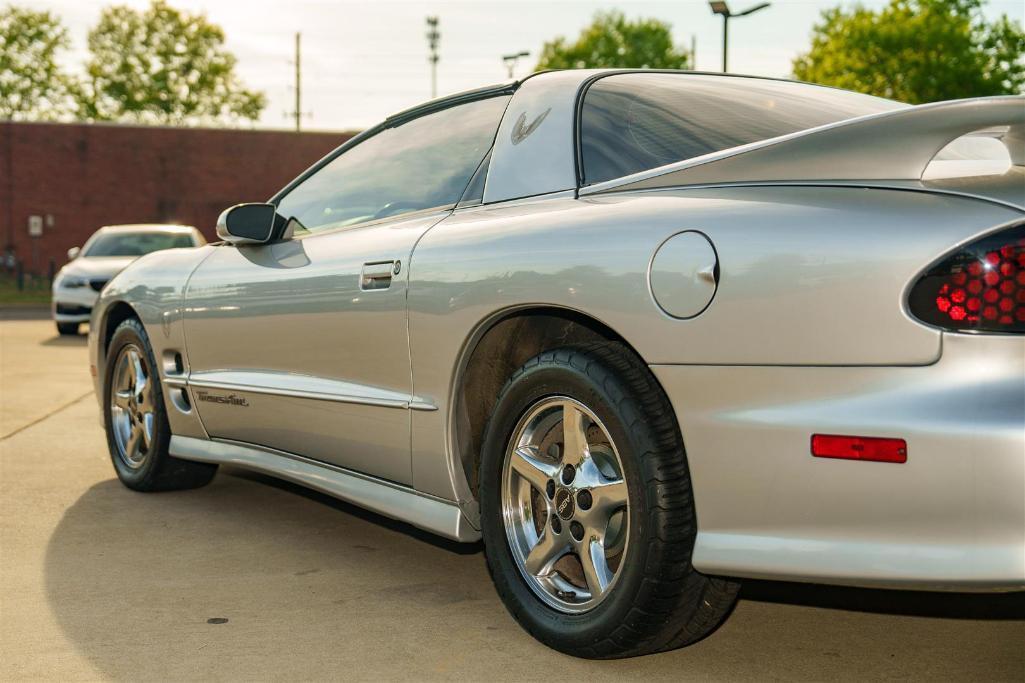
[534,149]
[426,512]
[319,331]
[354,392]
[953,516]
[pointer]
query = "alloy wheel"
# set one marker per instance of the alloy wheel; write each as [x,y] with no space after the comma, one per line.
[132,414]
[565,504]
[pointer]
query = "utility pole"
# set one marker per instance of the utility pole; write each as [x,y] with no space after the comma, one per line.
[721,8]
[298,113]
[510,61]
[433,38]
[298,84]
[693,52]
[725,39]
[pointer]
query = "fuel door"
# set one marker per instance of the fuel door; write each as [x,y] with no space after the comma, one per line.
[684,274]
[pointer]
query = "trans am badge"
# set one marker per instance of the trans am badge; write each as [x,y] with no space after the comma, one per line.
[230,399]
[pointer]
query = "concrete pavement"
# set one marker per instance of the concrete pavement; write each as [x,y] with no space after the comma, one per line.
[252,579]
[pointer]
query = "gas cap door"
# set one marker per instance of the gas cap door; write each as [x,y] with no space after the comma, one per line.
[684,274]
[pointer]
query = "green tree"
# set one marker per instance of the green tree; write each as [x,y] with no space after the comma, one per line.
[32,84]
[163,66]
[614,41]
[916,51]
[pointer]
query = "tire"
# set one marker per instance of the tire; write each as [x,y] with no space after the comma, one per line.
[138,433]
[67,329]
[654,599]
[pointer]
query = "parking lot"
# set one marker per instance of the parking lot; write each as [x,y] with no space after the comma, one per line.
[250,578]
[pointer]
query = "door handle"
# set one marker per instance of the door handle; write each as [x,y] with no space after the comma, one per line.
[376,275]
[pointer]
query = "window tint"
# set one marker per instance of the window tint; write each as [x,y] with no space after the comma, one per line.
[421,164]
[634,122]
[136,243]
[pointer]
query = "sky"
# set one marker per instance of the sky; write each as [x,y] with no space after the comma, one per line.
[362,61]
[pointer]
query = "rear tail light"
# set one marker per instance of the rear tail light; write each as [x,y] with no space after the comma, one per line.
[978,288]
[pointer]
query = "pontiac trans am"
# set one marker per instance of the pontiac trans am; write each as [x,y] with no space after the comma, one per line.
[643,333]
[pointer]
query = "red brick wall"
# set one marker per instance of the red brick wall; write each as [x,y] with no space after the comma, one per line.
[86,176]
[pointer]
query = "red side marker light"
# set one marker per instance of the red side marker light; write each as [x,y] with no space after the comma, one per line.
[859,448]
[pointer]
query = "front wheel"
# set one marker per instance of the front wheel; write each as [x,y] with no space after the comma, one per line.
[67,329]
[587,510]
[135,418]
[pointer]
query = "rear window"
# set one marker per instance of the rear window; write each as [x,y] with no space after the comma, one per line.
[635,122]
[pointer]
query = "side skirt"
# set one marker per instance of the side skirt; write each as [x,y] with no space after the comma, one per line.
[432,514]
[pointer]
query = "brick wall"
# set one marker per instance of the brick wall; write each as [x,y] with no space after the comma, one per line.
[86,176]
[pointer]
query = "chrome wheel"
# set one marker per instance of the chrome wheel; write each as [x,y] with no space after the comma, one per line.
[132,416]
[565,504]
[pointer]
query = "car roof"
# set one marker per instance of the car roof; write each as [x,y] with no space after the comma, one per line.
[565,75]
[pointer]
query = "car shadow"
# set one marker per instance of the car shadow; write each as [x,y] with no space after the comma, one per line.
[254,578]
[984,606]
[79,339]
[353,510]
[946,605]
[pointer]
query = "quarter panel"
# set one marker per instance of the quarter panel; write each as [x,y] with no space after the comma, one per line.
[953,515]
[809,276]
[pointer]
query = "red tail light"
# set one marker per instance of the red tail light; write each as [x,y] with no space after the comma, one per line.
[979,288]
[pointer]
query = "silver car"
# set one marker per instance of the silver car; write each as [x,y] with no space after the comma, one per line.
[77,285]
[644,333]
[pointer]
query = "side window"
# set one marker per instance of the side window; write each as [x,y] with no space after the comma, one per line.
[424,163]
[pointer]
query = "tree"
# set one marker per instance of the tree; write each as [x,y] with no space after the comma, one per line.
[32,84]
[163,66]
[614,41]
[916,51]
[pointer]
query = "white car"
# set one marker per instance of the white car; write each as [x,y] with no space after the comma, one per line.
[104,255]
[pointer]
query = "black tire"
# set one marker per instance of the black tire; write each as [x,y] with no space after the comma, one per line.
[67,329]
[159,470]
[659,602]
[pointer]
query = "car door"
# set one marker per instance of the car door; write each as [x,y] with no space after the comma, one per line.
[301,345]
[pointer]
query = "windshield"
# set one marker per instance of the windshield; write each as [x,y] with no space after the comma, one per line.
[635,122]
[136,243]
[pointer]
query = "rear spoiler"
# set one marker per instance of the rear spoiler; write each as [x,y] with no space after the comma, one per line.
[893,145]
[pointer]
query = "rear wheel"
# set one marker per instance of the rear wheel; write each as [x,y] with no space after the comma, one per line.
[587,509]
[138,433]
[67,329]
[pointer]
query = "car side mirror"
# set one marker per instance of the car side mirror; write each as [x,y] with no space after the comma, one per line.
[248,223]
[73,253]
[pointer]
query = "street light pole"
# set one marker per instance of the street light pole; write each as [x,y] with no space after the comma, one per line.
[510,61]
[720,7]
